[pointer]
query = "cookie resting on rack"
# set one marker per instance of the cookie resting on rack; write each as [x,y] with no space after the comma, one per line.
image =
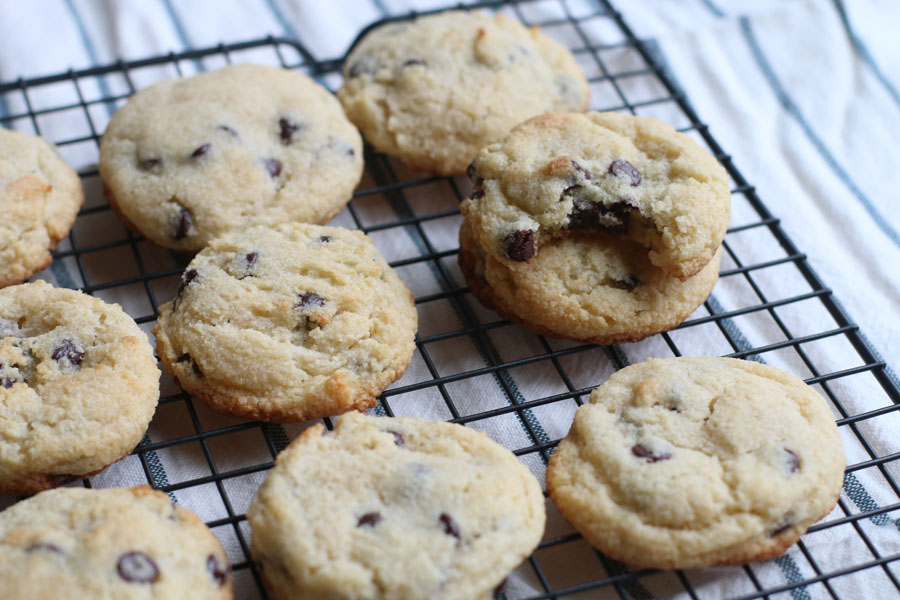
[40,195]
[598,289]
[434,90]
[113,543]
[692,462]
[394,508]
[560,174]
[288,323]
[189,159]
[78,386]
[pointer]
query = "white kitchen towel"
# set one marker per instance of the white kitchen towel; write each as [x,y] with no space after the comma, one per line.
[801,93]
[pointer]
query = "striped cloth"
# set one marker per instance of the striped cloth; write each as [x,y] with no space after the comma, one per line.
[802,93]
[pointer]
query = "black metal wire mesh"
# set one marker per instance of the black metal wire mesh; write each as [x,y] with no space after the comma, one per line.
[187,452]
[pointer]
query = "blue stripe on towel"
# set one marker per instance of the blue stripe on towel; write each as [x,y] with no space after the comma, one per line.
[794,111]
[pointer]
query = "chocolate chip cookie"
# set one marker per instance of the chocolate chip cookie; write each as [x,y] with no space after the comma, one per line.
[394,508]
[599,289]
[691,462]
[113,543]
[288,323]
[566,173]
[39,197]
[435,90]
[78,386]
[189,159]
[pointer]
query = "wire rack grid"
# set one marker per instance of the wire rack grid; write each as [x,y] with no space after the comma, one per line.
[212,463]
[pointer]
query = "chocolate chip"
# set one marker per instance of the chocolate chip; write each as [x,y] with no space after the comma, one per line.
[624,169]
[369,520]
[414,62]
[273,166]
[581,170]
[364,65]
[202,150]
[793,461]
[150,164]
[471,174]
[137,567]
[217,570]
[310,299]
[184,224]
[251,259]
[287,127]
[195,368]
[585,214]
[477,193]
[6,382]
[325,238]
[450,526]
[520,245]
[69,351]
[228,130]
[398,437]
[186,279]
[45,547]
[627,284]
[642,452]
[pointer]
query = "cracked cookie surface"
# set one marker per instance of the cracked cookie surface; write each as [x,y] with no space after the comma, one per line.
[112,543]
[598,289]
[691,462]
[288,323]
[565,173]
[78,386]
[40,195]
[186,160]
[434,90]
[399,508]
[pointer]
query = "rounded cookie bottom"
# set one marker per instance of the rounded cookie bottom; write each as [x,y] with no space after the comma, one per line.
[597,289]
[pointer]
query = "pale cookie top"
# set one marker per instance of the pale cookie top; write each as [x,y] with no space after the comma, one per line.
[689,462]
[39,197]
[288,323]
[189,159]
[433,91]
[114,543]
[398,508]
[601,289]
[600,171]
[78,385]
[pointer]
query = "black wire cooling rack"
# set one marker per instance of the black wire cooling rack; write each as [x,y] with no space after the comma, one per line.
[203,459]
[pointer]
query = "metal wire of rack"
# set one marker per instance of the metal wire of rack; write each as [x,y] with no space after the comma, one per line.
[118,265]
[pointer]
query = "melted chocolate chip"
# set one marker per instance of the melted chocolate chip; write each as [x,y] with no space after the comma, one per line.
[228,130]
[325,238]
[414,62]
[69,351]
[287,127]
[310,299]
[201,151]
[150,164]
[581,170]
[217,570]
[520,245]
[793,461]
[251,259]
[137,567]
[184,225]
[45,547]
[369,520]
[477,193]
[584,213]
[626,170]
[471,174]
[186,279]
[195,369]
[450,526]
[398,437]
[273,166]
[627,284]
[642,452]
